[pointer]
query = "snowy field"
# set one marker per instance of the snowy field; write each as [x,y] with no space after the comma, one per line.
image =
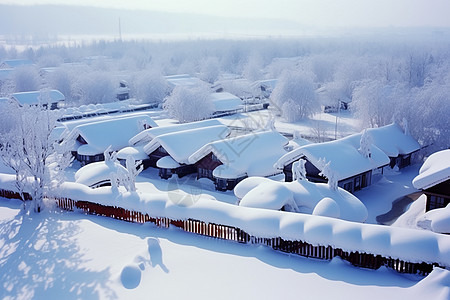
[53,255]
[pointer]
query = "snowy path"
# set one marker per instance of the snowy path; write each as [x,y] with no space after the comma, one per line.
[53,255]
[399,206]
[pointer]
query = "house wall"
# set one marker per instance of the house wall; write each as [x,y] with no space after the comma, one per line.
[155,156]
[227,184]
[438,196]
[87,159]
[181,171]
[206,166]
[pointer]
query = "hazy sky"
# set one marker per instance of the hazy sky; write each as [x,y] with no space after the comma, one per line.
[310,12]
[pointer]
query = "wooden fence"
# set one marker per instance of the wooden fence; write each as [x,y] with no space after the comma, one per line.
[365,260]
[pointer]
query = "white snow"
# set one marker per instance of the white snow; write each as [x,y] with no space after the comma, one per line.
[184,80]
[137,152]
[327,207]
[392,140]
[307,196]
[167,162]
[90,257]
[270,196]
[435,169]
[252,154]
[182,144]
[438,219]
[147,135]
[96,172]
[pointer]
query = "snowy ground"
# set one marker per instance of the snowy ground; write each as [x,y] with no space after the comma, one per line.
[53,255]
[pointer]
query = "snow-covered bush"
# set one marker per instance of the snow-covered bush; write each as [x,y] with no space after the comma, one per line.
[189,104]
[210,69]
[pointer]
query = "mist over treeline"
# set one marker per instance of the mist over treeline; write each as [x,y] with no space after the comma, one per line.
[388,78]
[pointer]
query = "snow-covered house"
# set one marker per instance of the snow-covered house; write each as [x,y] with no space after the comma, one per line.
[123,92]
[136,143]
[225,102]
[395,143]
[264,87]
[92,139]
[349,164]
[14,63]
[333,97]
[434,179]
[50,98]
[229,161]
[172,150]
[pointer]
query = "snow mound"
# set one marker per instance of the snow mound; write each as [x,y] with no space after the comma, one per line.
[97,172]
[130,277]
[245,186]
[434,286]
[439,219]
[306,195]
[327,207]
[272,195]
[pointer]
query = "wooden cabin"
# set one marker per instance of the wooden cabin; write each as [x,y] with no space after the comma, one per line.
[352,168]
[434,179]
[229,161]
[395,143]
[170,152]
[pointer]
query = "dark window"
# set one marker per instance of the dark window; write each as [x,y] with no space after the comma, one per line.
[357,183]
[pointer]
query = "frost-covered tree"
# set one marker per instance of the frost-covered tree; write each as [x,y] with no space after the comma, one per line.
[298,91]
[128,178]
[299,170]
[26,78]
[30,151]
[95,87]
[150,87]
[189,104]
[328,173]
[210,69]
[365,144]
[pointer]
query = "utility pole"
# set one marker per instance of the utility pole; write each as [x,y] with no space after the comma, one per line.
[120,31]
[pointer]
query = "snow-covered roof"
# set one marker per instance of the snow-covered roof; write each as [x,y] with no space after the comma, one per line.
[5,73]
[97,172]
[392,140]
[35,97]
[137,152]
[112,132]
[252,154]
[182,144]
[225,101]
[435,169]
[14,63]
[343,155]
[72,124]
[167,162]
[266,193]
[149,134]
[184,80]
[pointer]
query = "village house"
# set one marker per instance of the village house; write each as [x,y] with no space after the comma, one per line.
[136,143]
[14,63]
[47,98]
[185,80]
[171,151]
[228,161]
[395,143]
[434,180]
[92,139]
[123,92]
[352,168]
